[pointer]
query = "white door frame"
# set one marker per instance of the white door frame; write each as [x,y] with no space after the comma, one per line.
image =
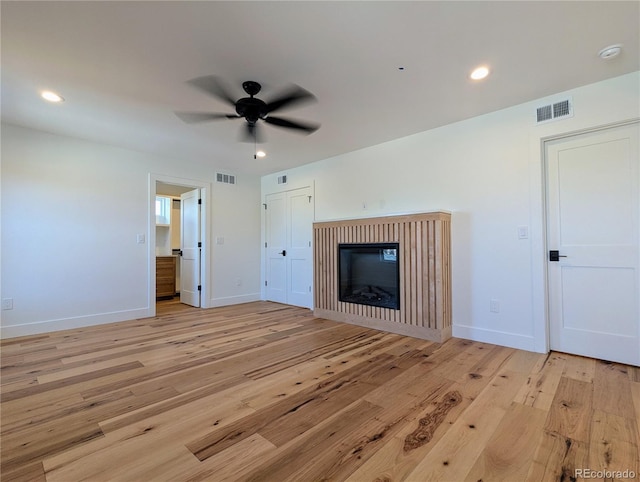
[205,193]
[545,240]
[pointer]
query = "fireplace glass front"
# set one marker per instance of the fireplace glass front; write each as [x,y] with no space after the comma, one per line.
[369,274]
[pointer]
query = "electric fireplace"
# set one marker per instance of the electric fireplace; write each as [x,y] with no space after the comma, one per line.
[368,274]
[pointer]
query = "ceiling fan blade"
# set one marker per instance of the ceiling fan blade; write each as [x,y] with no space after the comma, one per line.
[294,95]
[251,133]
[280,122]
[195,117]
[212,85]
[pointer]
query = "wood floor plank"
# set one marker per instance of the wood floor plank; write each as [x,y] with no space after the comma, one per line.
[408,387]
[507,455]
[52,385]
[136,441]
[16,419]
[310,457]
[610,377]
[613,445]
[26,473]
[231,464]
[264,391]
[120,462]
[557,458]
[455,454]
[343,389]
[460,365]
[541,386]
[392,461]
[22,449]
[635,395]
[570,412]
[578,367]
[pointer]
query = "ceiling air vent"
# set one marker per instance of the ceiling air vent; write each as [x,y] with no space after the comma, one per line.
[225,178]
[554,111]
[282,179]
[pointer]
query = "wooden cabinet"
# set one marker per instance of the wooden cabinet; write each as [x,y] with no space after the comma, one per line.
[165,276]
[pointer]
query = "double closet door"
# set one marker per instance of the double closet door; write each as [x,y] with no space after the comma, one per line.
[288,251]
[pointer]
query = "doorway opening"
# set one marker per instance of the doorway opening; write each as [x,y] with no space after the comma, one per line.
[178,242]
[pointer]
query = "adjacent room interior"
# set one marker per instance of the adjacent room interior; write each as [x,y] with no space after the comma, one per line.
[310,241]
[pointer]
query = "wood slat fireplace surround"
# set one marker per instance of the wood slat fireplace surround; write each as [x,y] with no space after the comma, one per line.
[425,274]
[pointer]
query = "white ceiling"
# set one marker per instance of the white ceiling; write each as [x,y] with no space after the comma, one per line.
[122,67]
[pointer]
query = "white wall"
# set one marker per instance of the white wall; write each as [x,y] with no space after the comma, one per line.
[71,211]
[236,211]
[488,172]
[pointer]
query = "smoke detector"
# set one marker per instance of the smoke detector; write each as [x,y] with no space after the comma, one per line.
[610,52]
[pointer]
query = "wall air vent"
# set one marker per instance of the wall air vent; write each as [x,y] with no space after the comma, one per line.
[544,113]
[225,178]
[561,109]
[282,179]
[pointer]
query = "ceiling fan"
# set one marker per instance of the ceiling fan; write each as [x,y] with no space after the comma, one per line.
[251,108]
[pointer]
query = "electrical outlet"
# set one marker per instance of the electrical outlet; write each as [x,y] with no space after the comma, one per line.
[494,306]
[7,304]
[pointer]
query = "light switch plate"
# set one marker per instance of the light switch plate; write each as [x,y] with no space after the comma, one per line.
[523,232]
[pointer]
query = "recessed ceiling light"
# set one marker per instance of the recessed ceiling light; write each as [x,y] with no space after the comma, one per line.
[610,52]
[51,96]
[261,153]
[479,73]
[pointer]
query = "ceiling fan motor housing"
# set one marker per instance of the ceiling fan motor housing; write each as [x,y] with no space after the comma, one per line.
[251,109]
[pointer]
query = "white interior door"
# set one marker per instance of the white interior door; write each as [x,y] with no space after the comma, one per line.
[190,245]
[289,226]
[276,247]
[593,224]
[300,256]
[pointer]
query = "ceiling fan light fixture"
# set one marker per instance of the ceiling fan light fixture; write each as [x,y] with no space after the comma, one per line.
[479,73]
[261,153]
[51,96]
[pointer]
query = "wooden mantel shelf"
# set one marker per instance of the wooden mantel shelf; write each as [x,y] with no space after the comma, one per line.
[425,274]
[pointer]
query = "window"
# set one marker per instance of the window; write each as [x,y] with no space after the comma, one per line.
[163,210]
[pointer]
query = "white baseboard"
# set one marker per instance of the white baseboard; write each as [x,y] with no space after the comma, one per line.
[494,337]
[234,300]
[39,327]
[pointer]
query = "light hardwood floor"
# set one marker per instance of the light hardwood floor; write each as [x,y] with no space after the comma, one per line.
[264,391]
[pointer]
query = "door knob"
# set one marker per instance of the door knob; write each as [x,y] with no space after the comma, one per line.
[554,255]
[283,252]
